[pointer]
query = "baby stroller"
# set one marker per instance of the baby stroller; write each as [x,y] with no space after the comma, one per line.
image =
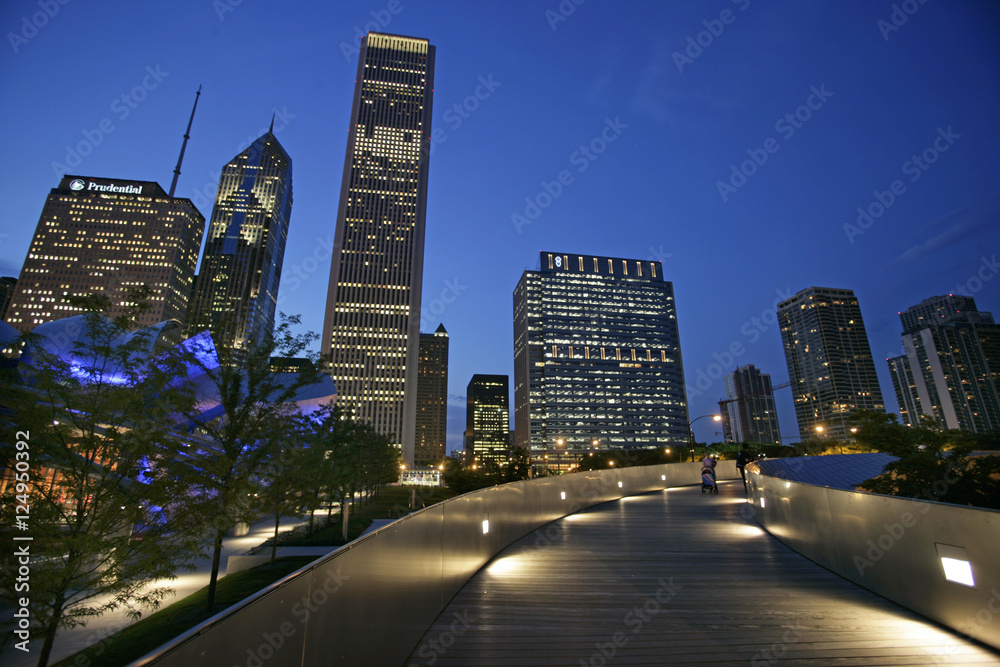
[708,482]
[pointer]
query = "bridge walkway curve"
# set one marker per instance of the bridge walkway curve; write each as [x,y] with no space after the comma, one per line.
[675,577]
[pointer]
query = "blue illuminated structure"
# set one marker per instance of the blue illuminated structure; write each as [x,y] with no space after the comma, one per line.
[62,337]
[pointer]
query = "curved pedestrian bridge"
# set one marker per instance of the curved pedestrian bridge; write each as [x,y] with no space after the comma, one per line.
[637,566]
[675,577]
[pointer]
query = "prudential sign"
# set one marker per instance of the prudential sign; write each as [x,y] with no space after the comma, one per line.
[79,185]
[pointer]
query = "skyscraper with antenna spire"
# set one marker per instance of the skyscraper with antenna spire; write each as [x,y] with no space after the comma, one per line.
[236,290]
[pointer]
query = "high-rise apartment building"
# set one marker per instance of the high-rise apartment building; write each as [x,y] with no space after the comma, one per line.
[432,399]
[372,323]
[748,413]
[597,358]
[952,364]
[106,236]
[487,420]
[905,388]
[829,360]
[236,290]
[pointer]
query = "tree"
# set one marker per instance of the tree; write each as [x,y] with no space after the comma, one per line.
[284,479]
[518,466]
[102,471]
[356,457]
[254,401]
[317,458]
[932,463]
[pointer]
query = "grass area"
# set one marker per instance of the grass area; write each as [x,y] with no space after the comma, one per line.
[391,502]
[161,626]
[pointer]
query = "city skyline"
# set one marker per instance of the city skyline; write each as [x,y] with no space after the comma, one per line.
[730,146]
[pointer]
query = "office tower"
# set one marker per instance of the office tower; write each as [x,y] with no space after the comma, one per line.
[597,358]
[372,323]
[829,361]
[432,399]
[7,286]
[748,412]
[905,388]
[953,360]
[106,236]
[487,420]
[236,291]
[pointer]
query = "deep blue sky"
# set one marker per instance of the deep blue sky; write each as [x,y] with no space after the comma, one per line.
[886,92]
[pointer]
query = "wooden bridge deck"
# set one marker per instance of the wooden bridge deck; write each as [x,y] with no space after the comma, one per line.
[675,577]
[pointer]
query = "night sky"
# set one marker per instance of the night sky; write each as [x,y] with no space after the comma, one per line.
[733,140]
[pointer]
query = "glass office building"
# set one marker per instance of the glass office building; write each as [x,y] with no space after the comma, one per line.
[372,322]
[487,420]
[597,358]
[236,291]
[106,236]
[829,361]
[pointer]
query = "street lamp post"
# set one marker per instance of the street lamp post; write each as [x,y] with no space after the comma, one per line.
[691,431]
[819,432]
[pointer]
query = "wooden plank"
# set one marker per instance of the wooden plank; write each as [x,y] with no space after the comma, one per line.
[675,578]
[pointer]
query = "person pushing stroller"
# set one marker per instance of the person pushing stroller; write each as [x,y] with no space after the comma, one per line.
[708,482]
